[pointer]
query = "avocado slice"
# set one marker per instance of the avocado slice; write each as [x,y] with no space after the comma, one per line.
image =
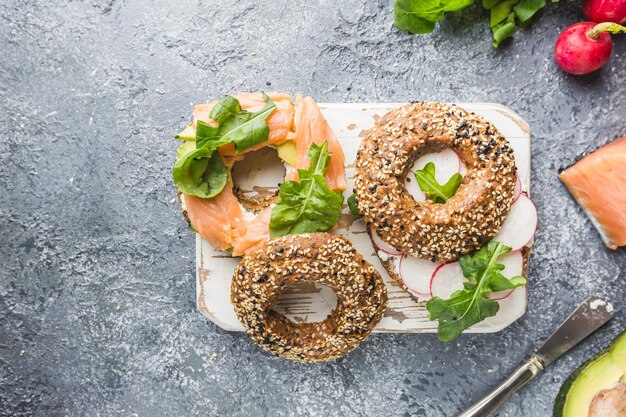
[189,133]
[598,387]
[287,152]
[186,147]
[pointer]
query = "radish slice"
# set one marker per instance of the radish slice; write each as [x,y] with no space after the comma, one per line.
[417,273]
[447,163]
[513,266]
[519,227]
[382,246]
[518,189]
[395,259]
[414,189]
[462,167]
[511,308]
[447,279]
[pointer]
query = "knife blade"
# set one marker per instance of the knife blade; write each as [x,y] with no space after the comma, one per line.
[586,319]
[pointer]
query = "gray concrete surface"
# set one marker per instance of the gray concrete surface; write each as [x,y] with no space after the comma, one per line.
[97,310]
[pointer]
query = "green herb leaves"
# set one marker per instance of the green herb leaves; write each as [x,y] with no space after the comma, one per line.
[420,16]
[506,14]
[309,205]
[352,205]
[436,192]
[202,172]
[526,9]
[243,128]
[469,306]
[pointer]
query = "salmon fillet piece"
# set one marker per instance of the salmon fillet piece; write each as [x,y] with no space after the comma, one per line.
[598,183]
[218,220]
[310,126]
[257,234]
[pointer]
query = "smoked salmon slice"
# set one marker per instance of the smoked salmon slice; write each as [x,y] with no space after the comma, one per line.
[310,126]
[218,220]
[598,183]
[257,233]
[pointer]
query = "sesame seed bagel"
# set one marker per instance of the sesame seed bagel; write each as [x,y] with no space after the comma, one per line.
[439,232]
[325,258]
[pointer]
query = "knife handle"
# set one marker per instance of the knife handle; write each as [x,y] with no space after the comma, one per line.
[522,375]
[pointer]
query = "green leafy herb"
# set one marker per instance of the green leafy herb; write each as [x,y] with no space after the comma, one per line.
[501,11]
[354,209]
[309,205]
[245,129]
[469,306]
[526,9]
[186,147]
[503,30]
[436,192]
[201,173]
[420,16]
[488,4]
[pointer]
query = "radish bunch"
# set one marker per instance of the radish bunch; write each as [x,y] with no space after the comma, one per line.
[586,46]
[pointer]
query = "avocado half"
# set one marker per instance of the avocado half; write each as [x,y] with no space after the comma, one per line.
[598,387]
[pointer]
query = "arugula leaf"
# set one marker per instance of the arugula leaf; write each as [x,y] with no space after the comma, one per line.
[459,312]
[354,209]
[309,205]
[436,192]
[420,16]
[201,173]
[207,137]
[469,306]
[242,127]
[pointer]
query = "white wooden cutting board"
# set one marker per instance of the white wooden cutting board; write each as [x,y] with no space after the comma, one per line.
[404,314]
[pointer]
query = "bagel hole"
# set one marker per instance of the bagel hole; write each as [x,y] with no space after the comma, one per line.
[257,178]
[306,302]
[447,162]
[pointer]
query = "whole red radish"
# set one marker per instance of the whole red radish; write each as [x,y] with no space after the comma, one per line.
[581,48]
[605,10]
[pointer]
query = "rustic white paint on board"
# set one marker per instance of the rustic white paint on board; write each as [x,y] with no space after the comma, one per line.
[404,314]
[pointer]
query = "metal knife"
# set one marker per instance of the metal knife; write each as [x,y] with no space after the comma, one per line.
[586,319]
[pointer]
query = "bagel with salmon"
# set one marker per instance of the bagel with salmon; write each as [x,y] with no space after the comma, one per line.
[323,258]
[225,132]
